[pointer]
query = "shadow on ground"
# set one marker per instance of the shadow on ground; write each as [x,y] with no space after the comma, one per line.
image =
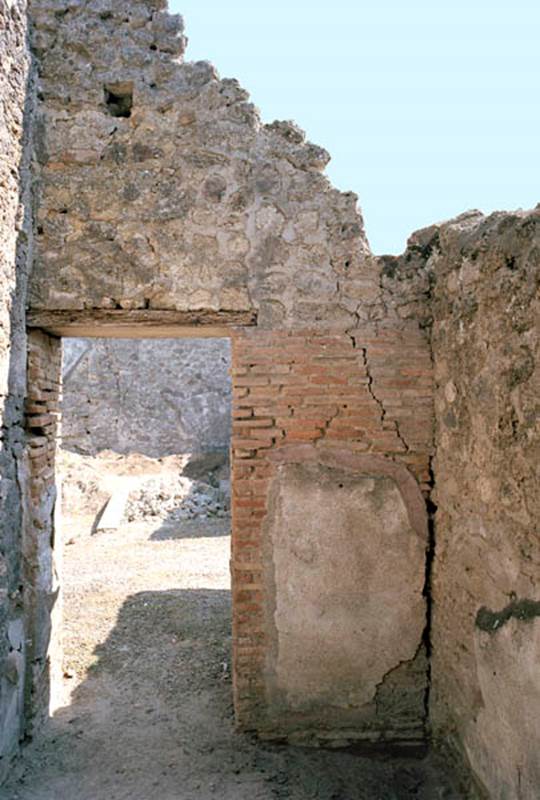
[154,719]
[172,528]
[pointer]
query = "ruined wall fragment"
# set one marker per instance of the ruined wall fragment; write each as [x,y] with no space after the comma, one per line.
[161,191]
[15,249]
[185,200]
[474,282]
[486,683]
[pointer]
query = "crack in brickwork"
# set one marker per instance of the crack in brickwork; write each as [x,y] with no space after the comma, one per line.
[298,388]
[327,425]
[370,386]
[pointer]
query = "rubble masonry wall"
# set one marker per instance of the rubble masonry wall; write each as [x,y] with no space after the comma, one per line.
[16,98]
[476,281]
[486,601]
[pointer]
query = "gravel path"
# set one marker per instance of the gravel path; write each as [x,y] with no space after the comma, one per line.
[147,710]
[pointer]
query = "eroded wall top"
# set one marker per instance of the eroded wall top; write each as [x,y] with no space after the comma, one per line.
[162,189]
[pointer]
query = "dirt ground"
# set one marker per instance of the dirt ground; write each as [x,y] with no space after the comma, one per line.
[146,710]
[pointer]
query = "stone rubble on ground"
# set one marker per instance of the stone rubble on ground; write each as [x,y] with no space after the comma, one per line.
[178,499]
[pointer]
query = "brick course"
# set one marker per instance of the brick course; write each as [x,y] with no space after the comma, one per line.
[42,423]
[366,390]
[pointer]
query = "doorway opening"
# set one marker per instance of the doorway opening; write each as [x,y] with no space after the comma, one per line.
[143,468]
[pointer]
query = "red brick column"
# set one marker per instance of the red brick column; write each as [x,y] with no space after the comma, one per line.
[367,390]
[41,581]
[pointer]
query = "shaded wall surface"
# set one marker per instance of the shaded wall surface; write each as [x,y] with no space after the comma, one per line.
[478,281]
[486,587]
[155,397]
[15,252]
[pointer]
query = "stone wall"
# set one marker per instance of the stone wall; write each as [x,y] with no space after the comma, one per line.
[155,397]
[486,597]
[474,282]
[15,251]
[175,197]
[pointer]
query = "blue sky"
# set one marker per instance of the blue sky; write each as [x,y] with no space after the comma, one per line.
[428,107]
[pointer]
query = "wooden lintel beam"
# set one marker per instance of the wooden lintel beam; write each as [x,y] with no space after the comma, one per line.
[140,323]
